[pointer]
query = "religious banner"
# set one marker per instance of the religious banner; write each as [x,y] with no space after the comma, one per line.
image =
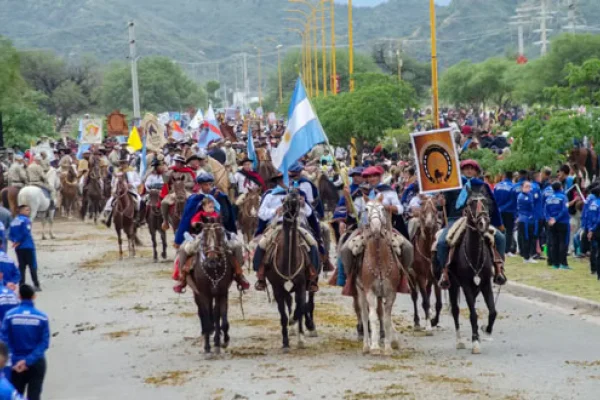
[91,132]
[117,124]
[154,131]
[438,166]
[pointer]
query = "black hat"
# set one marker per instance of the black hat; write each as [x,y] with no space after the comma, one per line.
[245,160]
[192,158]
[277,176]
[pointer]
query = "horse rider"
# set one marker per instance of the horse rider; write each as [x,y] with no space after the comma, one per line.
[177,172]
[66,161]
[115,156]
[352,249]
[307,187]
[193,206]
[133,181]
[271,208]
[17,175]
[231,157]
[37,177]
[341,217]
[45,163]
[455,201]
[83,168]
[155,178]
[246,180]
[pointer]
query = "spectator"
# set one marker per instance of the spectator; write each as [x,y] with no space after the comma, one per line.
[508,208]
[538,214]
[7,390]
[526,223]
[20,235]
[8,301]
[557,217]
[26,331]
[5,220]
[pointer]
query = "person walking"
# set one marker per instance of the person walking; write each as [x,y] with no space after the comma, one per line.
[557,217]
[20,235]
[26,331]
[526,223]
[592,228]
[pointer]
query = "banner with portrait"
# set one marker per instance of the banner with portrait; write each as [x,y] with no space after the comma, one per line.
[438,165]
[154,131]
[91,131]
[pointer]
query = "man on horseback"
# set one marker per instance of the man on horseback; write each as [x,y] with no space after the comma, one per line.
[193,206]
[343,218]
[36,177]
[271,208]
[246,180]
[178,172]
[133,181]
[455,201]
[308,188]
[17,175]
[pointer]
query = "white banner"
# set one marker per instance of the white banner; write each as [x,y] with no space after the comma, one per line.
[91,131]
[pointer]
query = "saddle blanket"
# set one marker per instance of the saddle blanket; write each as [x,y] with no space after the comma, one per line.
[456,232]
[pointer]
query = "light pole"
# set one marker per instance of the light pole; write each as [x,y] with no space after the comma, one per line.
[351,47]
[279,46]
[314,26]
[259,79]
[434,69]
[333,61]
[307,38]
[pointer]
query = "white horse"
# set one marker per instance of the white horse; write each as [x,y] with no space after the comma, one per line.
[34,197]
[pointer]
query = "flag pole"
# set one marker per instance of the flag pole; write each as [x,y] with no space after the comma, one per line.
[434,66]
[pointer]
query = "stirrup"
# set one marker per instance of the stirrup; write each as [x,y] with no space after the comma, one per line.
[500,279]
[260,285]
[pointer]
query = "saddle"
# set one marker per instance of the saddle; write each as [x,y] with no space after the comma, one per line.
[457,231]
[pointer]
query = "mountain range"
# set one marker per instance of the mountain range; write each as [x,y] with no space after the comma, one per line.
[198,32]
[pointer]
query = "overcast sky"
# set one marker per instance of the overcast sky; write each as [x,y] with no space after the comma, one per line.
[359,3]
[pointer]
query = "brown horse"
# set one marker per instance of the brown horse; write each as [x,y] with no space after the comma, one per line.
[248,216]
[328,193]
[124,215]
[176,211]
[93,195]
[68,192]
[210,281]
[586,160]
[266,170]
[9,197]
[423,279]
[154,220]
[377,280]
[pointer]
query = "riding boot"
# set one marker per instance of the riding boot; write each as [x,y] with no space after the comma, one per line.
[312,277]
[445,280]
[164,210]
[261,283]
[238,274]
[499,277]
[108,220]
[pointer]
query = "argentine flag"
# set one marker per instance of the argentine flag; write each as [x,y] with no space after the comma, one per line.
[211,132]
[251,151]
[303,132]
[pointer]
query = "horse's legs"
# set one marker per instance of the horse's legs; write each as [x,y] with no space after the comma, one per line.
[470,297]
[224,320]
[205,323]
[280,294]
[414,294]
[216,314]
[374,322]
[453,293]
[425,294]
[51,223]
[153,238]
[120,240]
[390,335]
[438,304]
[364,315]
[43,228]
[488,296]
[310,316]
[163,238]
[301,310]
[359,322]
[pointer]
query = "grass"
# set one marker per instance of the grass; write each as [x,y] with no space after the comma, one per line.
[577,282]
[168,378]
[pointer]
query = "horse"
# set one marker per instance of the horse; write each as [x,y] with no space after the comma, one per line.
[176,211]
[377,280]
[35,197]
[124,215]
[286,269]
[471,269]
[210,281]
[587,160]
[154,220]
[93,194]
[328,192]
[423,278]
[248,216]
[9,197]
[68,192]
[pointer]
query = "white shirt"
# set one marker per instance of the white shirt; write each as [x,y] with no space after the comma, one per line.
[270,204]
[244,185]
[154,181]
[307,189]
[390,198]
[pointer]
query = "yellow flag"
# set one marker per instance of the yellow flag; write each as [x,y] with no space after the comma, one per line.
[134,140]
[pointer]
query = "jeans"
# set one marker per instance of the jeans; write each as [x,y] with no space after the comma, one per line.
[443,248]
[526,239]
[509,224]
[559,233]
[26,257]
[32,380]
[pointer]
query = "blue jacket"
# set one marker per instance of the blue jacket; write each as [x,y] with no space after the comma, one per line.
[592,214]
[20,232]
[26,331]
[9,269]
[526,208]
[8,391]
[341,211]
[538,202]
[516,190]
[504,198]
[556,207]
[408,194]
[8,301]
[585,212]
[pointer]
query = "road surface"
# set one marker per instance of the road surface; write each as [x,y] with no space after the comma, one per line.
[119,332]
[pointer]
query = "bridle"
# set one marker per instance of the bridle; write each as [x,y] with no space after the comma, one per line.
[214,254]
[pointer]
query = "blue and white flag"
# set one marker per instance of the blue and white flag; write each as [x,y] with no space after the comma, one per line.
[82,146]
[211,131]
[143,161]
[251,151]
[303,132]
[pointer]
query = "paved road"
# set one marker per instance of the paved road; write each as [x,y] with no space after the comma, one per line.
[122,334]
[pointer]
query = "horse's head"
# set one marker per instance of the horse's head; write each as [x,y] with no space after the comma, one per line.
[154,196]
[428,217]
[376,216]
[477,213]
[121,185]
[291,205]
[213,241]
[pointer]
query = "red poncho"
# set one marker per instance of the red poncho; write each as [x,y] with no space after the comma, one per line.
[186,170]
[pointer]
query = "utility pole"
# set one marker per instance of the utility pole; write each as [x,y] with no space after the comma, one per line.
[134,77]
[400,62]
[246,82]
[543,30]
[523,18]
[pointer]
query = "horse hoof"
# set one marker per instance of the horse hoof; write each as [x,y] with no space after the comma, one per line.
[225,345]
[375,351]
[313,333]
[43,237]
[285,350]
[395,344]
[476,348]
[460,346]
[366,350]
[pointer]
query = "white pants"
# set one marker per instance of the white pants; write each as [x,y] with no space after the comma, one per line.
[109,204]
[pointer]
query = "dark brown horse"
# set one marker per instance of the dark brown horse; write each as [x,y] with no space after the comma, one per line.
[586,160]
[210,282]
[266,170]
[154,220]
[423,279]
[176,210]
[328,193]
[124,215]
[286,270]
[68,192]
[93,195]
[471,268]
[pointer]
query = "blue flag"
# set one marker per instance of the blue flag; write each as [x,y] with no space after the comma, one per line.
[251,152]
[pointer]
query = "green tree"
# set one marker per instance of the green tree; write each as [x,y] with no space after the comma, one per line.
[584,80]
[163,86]
[70,88]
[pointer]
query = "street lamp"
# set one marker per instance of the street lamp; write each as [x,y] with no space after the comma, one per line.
[279,46]
[259,78]
[333,55]
[309,58]
[314,22]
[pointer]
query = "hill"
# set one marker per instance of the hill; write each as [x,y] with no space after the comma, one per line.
[201,31]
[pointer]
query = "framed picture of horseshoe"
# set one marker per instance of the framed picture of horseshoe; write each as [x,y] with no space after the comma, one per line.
[436,156]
